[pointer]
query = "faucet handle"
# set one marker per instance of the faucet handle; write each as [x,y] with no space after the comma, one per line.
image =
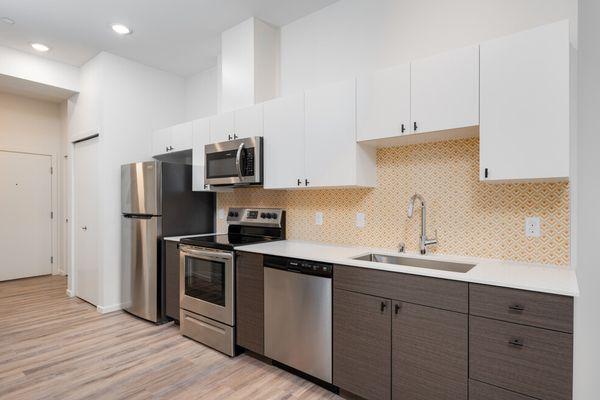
[401,247]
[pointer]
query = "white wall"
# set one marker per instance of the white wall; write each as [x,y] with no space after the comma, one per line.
[201,94]
[38,69]
[125,101]
[587,314]
[35,126]
[350,37]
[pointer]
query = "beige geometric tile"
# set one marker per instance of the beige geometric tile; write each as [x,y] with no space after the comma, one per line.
[472,218]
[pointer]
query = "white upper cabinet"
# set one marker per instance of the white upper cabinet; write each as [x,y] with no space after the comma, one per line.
[172,139]
[161,140]
[221,127]
[201,137]
[248,122]
[525,90]
[445,91]
[333,158]
[383,103]
[284,151]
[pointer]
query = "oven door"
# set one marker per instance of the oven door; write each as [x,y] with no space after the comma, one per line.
[236,162]
[206,283]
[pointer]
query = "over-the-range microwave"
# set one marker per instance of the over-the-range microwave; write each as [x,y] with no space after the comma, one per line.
[234,163]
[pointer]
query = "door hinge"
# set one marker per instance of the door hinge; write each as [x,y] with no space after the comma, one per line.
[51,260]
[51,214]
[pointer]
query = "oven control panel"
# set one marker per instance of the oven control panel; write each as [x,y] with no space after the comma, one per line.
[255,216]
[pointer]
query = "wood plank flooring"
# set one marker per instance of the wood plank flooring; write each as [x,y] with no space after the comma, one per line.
[56,347]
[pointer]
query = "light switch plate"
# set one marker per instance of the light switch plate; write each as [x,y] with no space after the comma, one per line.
[532,227]
[318,218]
[221,213]
[360,220]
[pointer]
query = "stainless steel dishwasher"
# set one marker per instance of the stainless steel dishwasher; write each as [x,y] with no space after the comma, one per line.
[298,306]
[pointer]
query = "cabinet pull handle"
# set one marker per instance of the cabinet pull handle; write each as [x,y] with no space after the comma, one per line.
[228,137]
[306,182]
[396,308]
[299,182]
[485,173]
[167,148]
[383,306]
[516,342]
[415,126]
[235,136]
[402,128]
[516,307]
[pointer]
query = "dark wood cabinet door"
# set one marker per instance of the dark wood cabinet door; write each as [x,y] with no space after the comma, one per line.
[172,279]
[362,344]
[249,303]
[429,353]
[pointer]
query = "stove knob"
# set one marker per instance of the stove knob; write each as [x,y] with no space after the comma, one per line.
[263,215]
[268,216]
[274,216]
[230,213]
[236,214]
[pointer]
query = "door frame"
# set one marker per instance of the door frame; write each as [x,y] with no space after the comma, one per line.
[71,240]
[54,200]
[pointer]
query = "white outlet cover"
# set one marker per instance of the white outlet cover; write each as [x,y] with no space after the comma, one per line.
[532,227]
[360,220]
[221,213]
[318,218]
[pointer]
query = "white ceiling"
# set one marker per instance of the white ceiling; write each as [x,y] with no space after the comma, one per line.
[180,36]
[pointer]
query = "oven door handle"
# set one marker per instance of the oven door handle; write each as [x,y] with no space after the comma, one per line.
[238,161]
[186,251]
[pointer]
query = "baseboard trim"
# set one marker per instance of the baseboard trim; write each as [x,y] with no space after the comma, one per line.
[109,309]
[70,293]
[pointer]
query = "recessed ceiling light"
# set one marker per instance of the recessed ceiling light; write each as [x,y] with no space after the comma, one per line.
[121,29]
[40,47]
[7,20]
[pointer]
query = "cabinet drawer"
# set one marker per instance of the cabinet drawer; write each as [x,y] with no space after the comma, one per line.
[532,361]
[529,308]
[482,391]
[433,292]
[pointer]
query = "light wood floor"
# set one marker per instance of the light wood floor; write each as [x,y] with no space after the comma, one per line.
[56,347]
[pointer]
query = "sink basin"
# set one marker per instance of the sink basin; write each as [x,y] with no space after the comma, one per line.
[417,262]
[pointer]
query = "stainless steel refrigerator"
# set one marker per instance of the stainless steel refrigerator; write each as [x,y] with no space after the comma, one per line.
[156,201]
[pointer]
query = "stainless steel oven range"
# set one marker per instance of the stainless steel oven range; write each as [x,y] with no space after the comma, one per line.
[207,275]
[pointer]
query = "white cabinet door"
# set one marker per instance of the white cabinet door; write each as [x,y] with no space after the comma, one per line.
[161,141]
[221,127]
[331,148]
[284,143]
[181,136]
[445,91]
[249,122]
[524,132]
[201,137]
[383,103]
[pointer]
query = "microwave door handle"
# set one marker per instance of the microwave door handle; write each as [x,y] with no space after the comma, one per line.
[238,161]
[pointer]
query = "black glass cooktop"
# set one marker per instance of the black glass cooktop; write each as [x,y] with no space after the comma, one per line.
[225,241]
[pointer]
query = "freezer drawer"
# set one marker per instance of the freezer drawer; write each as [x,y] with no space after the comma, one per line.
[298,321]
[141,188]
[139,261]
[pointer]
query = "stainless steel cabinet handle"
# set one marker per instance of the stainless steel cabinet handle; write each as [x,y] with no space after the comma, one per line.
[299,182]
[238,160]
[84,228]
[235,136]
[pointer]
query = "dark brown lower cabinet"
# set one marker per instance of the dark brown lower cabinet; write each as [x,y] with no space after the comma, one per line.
[482,391]
[172,279]
[429,353]
[249,303]
[361,344]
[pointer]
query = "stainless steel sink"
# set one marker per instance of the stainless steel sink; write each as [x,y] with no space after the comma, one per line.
[417,262]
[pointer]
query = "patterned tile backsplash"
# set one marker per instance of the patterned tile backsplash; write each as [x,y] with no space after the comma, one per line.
[472,218]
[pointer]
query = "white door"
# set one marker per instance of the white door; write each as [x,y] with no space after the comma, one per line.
[86,220]
[331,149]
[201,137]
[284,143]
[161,141]
[445,91]
[524,132]
[249,122]
[181,136]
[383,103]
[25,206]
[221,127]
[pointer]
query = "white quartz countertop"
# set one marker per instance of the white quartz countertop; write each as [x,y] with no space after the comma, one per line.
[178,238]
[533,277]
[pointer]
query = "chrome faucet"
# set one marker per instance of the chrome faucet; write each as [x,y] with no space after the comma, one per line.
[424,242]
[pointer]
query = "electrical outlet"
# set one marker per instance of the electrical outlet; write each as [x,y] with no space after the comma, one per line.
[360,220]
[318,218]
[532,227]
[221,213]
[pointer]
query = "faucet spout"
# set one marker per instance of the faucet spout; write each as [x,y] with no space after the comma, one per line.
[424,241]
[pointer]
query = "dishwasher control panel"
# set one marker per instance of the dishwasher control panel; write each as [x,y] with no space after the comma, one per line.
[307,267]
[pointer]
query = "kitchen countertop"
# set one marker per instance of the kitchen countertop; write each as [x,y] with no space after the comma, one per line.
[178,238]
[533,277]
